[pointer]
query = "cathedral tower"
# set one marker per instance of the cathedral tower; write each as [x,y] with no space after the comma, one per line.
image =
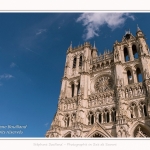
[106,95]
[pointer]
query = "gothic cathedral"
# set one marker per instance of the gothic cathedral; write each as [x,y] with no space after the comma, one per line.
[106,95]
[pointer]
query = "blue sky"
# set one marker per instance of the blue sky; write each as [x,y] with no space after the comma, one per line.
[32,58]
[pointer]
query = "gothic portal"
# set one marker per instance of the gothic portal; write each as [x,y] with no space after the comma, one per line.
[107,95]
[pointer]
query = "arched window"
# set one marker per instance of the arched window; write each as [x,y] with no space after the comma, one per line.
[97,135]
[139,75]
[126,55]
[145,112]
[98,66]
[68,122]
[113,115]
[78,88]
[129,76]
[91,118]
[100,118]
[134,50]
[72,90]
[94,67]
[80,61]
[106,116]
[74,62]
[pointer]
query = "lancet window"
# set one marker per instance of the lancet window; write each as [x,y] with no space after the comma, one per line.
[74,62]
[72,90]
[91,118]
[78,88]
[126,55]
[135,53]
[113,115]
[106,116]
[80,61]
[129,76]
[143,109]
[139,75]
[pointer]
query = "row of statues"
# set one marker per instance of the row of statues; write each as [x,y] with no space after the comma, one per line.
[131,92]
[102,100]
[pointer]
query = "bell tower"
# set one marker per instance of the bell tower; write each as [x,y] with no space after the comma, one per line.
[105,95]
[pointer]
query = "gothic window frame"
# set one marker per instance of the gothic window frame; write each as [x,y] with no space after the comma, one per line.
[142,105]
[91,117]
[74,62]
[98,66]
[139,74]
[135,51]
[141,131]
[94,68]
[78,87]
[113,114]
[126,54]
[80,61]
[72,89]
[106,115]
[129,76]
[103,83]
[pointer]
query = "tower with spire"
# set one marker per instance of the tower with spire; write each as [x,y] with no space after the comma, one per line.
[106,95]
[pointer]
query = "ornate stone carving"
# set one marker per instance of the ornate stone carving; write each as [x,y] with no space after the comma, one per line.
[103,84]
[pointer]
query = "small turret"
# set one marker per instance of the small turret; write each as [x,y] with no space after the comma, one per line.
[94,51]
[139,32]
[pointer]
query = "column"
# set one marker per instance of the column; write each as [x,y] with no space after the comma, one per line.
[135,76]
[102,120]
[110,119]
[130,53]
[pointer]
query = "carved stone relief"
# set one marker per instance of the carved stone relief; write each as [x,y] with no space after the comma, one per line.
[103,84]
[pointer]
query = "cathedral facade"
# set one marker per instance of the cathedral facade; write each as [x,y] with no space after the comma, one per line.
[106,95]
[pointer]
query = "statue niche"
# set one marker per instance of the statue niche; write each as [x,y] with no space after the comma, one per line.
[103,84]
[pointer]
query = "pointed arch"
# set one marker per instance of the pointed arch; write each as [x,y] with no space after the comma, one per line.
[68,134]
[78,88]
[80,61]
[97,134]
[139,74]
[113,114]
[74,62]
[91,118]
[126,55]
[129,77]
[140,129]
[134,51]
[72,89]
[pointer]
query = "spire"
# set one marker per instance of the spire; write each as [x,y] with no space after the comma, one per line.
[138,29]
[94,45]
[71,45]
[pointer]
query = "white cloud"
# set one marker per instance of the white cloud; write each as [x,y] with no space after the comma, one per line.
[94,21]
[40,31]
[12,65]
[6,76]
